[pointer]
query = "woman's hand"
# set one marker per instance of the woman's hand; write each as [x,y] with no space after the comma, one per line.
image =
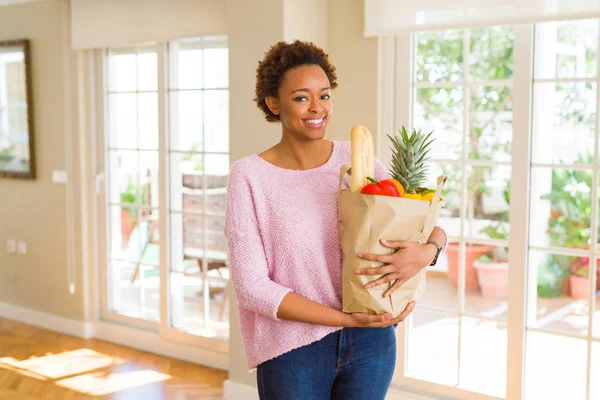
[379,321]
[406,262]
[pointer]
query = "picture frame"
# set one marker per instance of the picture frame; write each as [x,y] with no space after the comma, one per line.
[17,155]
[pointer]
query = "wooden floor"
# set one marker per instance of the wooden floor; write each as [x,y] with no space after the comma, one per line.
[39,364]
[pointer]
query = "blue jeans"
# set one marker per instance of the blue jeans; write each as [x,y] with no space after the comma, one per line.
[350,364]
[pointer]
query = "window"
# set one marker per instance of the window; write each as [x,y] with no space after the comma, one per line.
[563,216]
[463,87]
[167,152]
[463,92]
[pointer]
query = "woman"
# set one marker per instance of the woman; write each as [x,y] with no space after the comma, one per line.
[285,256]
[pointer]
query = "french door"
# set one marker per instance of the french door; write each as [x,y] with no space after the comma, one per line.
[166,159]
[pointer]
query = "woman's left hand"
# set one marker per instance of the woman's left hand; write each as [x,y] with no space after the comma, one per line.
[406,262]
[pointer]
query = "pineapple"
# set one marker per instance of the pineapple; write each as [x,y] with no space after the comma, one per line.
[409,154]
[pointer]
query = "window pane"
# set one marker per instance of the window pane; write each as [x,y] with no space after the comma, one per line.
[491,55]
[566,49]
[216,123]
[491,269]
[124,177]
[440,293]
[451,195]
[490,134]
[187,182]
[125,241]
[488,202]
[441,110]
[595,383]
[439,56]
[149,178]
[148,120]
[561,297]
[147,76]
[217,165]
[189,281]
[560,207]
[564,119]
[555,367]
[216,193]
[186,120]
[216,68]
[123,120]
[134,290]
[185,65]
[433,337]
[122,72]
[472,252]
[483,358]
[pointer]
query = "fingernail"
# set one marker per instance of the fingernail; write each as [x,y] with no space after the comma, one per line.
[359,255]
[383,241]
[367,286]
[389,316]
[357,271]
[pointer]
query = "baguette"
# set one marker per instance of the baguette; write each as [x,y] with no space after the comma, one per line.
[363,157]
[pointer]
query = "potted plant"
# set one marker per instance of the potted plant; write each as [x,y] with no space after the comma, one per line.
[570,216]
[492,268]
[482,149]
[129,213]
[580,278]
[472,251]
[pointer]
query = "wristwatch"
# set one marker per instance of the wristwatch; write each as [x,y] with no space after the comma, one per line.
[437,254]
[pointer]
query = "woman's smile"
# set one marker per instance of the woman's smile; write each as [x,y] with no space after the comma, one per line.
[315,122]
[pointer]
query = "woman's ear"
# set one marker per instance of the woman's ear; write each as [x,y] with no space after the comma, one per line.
[273,104]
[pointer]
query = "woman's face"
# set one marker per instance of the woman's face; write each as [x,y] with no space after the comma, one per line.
[303,102]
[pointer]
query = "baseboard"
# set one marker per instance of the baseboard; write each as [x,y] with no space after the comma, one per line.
[47,321]
[398,393]
[237,391]
[114,333]
[152,343]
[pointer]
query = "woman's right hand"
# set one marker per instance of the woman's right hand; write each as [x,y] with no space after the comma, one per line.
[364,320]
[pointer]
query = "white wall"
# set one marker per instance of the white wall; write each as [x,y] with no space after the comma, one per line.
[35,211]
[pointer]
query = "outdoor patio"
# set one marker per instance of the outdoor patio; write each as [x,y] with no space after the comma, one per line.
[551,360]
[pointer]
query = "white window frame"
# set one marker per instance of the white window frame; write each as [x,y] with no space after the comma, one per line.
[397,73]
[218,348]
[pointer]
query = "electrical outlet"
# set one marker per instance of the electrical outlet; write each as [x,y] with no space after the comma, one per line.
[22,248]
[11,246]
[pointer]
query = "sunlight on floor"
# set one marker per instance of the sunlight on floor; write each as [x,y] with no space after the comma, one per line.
[56,366]
[99,383]
[75,366]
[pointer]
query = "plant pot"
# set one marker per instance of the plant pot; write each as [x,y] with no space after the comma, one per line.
[473,252]
[127,226]
[580,286]
[493,278]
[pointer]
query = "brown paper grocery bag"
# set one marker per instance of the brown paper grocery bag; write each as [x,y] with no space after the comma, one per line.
[364,220]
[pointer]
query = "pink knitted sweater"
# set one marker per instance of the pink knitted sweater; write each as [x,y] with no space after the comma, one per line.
[283,235]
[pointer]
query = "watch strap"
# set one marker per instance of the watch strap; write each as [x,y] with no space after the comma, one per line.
[437,254]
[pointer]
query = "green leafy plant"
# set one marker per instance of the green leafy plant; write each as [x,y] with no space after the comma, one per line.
[570,214]
[129,198]
[571,207]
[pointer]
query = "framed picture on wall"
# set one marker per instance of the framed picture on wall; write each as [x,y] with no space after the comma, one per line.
[17,157]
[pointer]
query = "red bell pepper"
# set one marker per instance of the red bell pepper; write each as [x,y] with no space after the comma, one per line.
[382,188]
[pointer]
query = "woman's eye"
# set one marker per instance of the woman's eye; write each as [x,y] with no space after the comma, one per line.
[326,97]
[301,98]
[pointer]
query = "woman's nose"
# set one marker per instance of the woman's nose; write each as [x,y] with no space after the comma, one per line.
[316,106]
